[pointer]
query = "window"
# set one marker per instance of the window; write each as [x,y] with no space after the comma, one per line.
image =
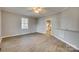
[24,23]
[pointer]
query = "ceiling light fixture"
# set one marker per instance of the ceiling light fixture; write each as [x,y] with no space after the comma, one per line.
[37,9]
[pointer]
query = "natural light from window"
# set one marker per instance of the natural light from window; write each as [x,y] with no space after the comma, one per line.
[24,23]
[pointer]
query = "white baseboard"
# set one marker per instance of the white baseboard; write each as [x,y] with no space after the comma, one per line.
[66,42]
[16,35]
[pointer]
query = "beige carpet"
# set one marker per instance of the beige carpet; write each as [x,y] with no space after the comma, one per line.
[34,43]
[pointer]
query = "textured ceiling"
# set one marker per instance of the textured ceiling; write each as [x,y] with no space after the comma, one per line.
[27,11]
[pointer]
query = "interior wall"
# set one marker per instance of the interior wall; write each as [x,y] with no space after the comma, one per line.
[0,27]
[11,24]
[0,23]
[65,25]
[68,28]
[41,27]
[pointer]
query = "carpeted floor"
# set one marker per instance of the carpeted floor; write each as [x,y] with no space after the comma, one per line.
[35,42]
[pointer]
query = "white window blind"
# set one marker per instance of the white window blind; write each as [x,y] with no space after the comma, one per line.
[24,23]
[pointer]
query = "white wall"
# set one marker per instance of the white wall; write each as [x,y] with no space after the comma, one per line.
[65,26]
[11,24]
[70,19]
[0,22]
[68,29]
[41,27]
[0,29]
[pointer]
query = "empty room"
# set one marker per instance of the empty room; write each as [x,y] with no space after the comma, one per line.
[39,29]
